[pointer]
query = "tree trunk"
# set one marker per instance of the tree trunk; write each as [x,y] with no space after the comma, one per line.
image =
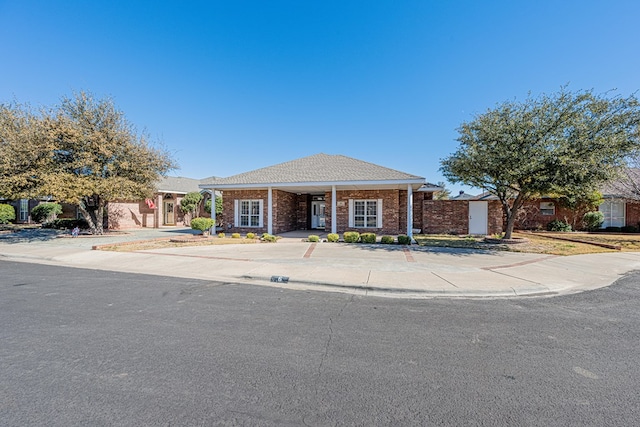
[94,217]
[511,213]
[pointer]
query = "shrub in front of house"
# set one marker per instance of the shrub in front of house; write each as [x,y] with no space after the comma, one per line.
[612,229]
[387,240]
[66,224]
[403,239]
[558,225]
[333,237]
[251,236]
[368,238]
[593,220]
[45,212]
[7,213]
[629,229]
[313,238]
[266,237]
[235,235]
[202,224]
[221,235]
[351,237]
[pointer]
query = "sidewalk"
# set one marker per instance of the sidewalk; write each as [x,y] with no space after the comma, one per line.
[407,272]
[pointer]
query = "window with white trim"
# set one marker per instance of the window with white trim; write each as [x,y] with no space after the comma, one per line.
[24,209]
[547,208]
[365,213]
[248,213]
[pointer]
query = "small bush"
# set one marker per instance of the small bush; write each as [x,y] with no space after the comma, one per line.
[368,238]
[558,225]
[387,240]
[251,236]
[66,224]
[266,237]
[593,220]
[7,213]
[613,229]
[333,237]
[351,237]
[221,235]
[629,229]
[45,212]
[313,238]
[201,223]
[403,239]
[235,235]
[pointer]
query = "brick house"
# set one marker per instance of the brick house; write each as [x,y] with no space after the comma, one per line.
[331,193]
[163,209]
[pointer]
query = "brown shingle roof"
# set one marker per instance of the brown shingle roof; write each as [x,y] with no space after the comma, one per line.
[317,168]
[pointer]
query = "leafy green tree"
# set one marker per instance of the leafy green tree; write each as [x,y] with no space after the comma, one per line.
[83,152]
[444,194]
[564,143]
[190,204]
[25,152]
[207,206]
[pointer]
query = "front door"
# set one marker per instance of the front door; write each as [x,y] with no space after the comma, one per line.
[317,214]
[478,217]
[169,216]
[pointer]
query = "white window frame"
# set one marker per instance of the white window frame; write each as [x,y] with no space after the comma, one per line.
[547,208]
[239,216]
[607,209]
[23,211]
[366,215]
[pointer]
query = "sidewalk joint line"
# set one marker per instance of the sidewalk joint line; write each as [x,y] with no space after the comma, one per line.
[518,264]
[440,277]
[515,277]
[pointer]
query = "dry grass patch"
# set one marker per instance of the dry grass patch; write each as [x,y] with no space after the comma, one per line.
[165,243]
[627,242]
[535,244]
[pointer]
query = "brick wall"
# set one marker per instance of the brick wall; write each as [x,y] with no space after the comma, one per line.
[130,214]
[390,210]
[495,220]
[632,213]
[452,217]
[285,211]
[303,202]
[530,218]
[228,204]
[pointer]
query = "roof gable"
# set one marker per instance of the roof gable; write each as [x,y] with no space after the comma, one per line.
[317,168]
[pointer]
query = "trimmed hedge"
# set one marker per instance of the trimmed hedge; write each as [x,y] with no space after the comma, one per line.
[403,239]
[313,238]
[368,238]
[66,224]
[558,225]
[333,237]
[7,213]
[201,223]
[351,237]
[387,240]
[45,212]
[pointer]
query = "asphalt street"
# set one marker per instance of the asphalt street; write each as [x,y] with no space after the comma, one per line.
[89,347]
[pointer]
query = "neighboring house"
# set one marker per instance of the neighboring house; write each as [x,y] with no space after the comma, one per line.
[331,193]
[23,208]
[163,209]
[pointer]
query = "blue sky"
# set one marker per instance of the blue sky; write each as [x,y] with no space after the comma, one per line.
[232,86]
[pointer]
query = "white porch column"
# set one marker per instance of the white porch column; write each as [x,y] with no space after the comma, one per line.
[213,210]
[334,210]
[410,211]
[270,211]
